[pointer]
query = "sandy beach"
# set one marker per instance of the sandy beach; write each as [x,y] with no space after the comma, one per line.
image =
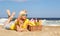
[46,31]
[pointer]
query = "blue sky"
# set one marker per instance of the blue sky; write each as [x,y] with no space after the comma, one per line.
[35,8]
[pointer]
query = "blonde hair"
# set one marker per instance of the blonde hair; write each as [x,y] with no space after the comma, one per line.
[22,12]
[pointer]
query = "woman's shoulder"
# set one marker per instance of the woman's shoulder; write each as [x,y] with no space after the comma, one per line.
[27,20]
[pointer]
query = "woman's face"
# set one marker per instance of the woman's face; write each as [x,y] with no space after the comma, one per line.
[24,16]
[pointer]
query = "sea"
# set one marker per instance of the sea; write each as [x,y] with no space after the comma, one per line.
[45,21]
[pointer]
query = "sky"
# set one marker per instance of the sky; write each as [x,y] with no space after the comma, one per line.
[35,8]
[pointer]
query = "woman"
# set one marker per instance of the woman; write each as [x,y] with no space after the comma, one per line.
[21,23]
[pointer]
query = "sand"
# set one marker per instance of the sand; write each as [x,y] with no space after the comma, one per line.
[46,31]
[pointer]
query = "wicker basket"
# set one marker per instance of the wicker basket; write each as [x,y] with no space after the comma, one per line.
[35,28]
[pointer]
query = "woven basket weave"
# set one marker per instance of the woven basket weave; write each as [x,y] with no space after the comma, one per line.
[35,28]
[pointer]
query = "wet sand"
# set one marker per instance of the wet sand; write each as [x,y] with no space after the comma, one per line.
[46,31]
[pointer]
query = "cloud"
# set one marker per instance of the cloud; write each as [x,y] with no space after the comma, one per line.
[19,0]
[15,0]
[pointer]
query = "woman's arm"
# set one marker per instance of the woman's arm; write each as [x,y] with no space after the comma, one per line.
[17,28]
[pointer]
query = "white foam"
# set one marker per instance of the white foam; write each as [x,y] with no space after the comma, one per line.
[2,20]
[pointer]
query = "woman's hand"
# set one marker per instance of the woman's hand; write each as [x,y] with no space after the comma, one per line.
[18,28]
